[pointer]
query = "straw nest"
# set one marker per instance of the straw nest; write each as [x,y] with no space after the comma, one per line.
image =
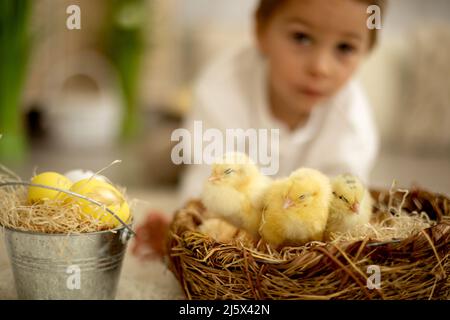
[410,248]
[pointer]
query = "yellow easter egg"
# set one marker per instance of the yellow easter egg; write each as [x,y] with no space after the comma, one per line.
[50,179]
[104,193]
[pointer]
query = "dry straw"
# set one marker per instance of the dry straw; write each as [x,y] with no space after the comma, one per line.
[408,240]
[49,216]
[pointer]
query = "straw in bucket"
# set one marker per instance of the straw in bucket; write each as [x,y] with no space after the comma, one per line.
[67,266]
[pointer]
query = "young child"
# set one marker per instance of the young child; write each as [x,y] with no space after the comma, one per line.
[297,78]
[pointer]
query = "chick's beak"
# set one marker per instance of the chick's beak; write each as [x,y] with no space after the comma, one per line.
[355,207]
[213,178]
[287,203]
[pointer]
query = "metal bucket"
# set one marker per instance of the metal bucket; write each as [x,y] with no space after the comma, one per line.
[77,266]
[67,266]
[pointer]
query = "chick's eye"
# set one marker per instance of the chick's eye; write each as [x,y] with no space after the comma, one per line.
[301,38]
[346,48]
[228,171]
[302,197]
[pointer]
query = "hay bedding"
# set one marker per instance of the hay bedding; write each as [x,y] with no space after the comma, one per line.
[408,239]
[50,216]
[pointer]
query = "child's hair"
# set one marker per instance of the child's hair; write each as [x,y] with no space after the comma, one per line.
[266,9]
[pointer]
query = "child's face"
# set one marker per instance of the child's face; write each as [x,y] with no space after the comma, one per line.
[313,47]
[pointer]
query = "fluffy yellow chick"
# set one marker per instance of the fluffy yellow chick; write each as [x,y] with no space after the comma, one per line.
[218,229]
[235,191]
[350,206]
[296,208]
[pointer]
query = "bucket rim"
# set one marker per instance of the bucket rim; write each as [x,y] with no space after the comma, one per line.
[115,230]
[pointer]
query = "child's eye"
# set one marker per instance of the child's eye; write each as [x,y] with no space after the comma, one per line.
[302,38]
[346,48]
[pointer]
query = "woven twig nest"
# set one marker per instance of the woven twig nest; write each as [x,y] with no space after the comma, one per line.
[416,267]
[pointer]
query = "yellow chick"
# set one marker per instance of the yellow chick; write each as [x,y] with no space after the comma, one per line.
[218,229]
[235,191]
[350,206]
[296,208]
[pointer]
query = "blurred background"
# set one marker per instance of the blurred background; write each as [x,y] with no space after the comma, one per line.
[119,86]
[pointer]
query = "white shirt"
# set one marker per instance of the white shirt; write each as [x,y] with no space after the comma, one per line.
[339,137]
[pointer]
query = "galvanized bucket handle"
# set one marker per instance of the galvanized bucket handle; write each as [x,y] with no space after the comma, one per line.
[128,231]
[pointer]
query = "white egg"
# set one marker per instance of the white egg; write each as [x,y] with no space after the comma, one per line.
[79,174]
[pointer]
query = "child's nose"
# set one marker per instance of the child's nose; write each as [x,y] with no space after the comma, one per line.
[320,65]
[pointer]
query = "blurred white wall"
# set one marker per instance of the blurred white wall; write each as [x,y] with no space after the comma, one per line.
[230,12]
[187,35]
[209,27]
[383,73]
[404,15]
